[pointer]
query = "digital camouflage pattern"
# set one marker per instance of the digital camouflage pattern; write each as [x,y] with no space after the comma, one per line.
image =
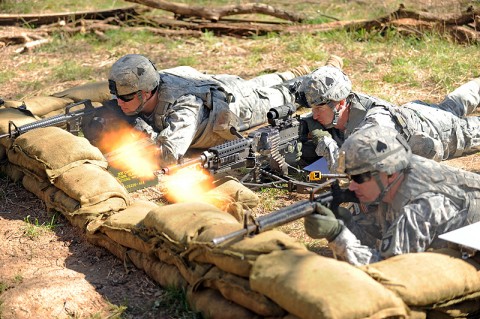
[435,131]
[375,149]
[132,73]
[433,199]
[326,84]
[197,110]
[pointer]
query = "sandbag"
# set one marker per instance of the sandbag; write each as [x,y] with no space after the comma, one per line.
[18,117]
[122,226]
[14,172]
[41,106]
[184,223]
[48,152]
[38,188]
[102,240]
[465,309]
[439,278]
[311,286]
[234,190]
[212,305]
[96,92]
[192,272]
[90,184]
[238,258]
[237,289]
[164,274]
[3,153]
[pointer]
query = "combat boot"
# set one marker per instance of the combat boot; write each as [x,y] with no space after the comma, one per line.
[300,70]
[335,61]
[293,73]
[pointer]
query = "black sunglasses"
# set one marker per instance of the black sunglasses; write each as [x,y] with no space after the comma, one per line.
[361,178]
[127,97]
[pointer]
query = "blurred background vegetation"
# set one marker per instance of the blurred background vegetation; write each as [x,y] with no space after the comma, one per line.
[385,63]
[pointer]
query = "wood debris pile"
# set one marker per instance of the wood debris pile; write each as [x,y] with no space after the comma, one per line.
[30,30]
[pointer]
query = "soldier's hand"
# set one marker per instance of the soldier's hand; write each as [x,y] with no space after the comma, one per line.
[328,148]
[322,224]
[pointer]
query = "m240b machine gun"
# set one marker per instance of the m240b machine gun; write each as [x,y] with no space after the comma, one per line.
[263,151]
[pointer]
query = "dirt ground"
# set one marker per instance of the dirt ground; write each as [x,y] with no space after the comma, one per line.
[57,273]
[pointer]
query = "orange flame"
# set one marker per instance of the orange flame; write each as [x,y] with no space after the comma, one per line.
[130,150]
[189,184]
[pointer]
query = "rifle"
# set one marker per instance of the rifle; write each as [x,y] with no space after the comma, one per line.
[89,120]
[262,151]
[332,198]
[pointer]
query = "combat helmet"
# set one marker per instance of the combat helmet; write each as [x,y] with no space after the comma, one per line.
[375,149]
[133,73]
[326,84]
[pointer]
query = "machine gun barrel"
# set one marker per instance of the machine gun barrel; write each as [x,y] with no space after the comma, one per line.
[202,159]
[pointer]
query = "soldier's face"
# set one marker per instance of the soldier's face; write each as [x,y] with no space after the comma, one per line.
[323,114]
[130,104]
[367,190]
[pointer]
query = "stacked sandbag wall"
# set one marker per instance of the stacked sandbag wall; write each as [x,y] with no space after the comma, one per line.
[269,275]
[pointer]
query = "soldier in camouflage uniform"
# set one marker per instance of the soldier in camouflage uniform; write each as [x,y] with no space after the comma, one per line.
[413,200]
[182,107]
[436,131]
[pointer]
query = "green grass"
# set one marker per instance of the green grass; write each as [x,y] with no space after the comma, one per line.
[3,287]
[174,302]
[33,228]
[36,6]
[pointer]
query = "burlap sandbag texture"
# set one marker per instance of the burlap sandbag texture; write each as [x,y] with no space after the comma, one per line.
[237,289]
[311,286]
[50,151]
[232,189]
[429,279]
[19,118]
[213,306]
[238,257]
[182,224]
[41,106]
[96,92]
[123,226]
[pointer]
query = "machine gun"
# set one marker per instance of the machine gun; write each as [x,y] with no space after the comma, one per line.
[331,198]
[262,151]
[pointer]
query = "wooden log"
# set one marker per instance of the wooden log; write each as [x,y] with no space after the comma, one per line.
[48,18]
[214,14]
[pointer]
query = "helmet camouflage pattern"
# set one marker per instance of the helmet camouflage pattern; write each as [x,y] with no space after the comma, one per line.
[132,73]
[375,148]
[326,84]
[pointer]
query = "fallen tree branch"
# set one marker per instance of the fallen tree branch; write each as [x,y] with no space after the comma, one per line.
[32,44]
[214,14]
[48,18]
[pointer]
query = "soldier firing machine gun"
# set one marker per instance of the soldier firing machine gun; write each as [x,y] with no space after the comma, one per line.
[263,152]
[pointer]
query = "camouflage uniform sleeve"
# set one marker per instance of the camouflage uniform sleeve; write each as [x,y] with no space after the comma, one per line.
[349,248]
[416,227]
[181,123]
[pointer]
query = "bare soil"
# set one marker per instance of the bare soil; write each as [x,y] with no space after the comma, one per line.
[57,273]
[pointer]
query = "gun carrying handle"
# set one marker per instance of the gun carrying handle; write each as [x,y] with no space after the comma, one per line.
[87,103]
[13,132]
